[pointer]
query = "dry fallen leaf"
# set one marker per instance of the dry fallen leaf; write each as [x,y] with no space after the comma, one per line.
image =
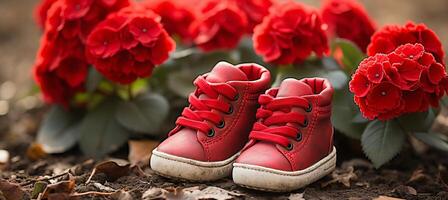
[387,198]
[11,191]
[62,188]
[121,195]
[39,187]
[102,187]
[140,151]
[404,190]
[111,169]
[297,196]
[210,192]
[190,193]
[344,176]
[35,152]
[418,177]
[160,193]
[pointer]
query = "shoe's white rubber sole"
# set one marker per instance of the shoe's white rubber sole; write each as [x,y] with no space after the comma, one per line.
[267,179]
[191,170]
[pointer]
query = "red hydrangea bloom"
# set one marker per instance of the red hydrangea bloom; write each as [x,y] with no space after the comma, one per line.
[177,16]
[60,74]
[289,34]
[406,80]
[220,25]
[390,37]
[255,11]
[129,44]
[40,13]
[347,19]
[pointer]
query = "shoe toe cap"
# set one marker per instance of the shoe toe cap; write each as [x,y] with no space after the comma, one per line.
[264,155]
[183,144]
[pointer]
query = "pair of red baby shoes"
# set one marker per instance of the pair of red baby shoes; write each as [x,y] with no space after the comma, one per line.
[277,139]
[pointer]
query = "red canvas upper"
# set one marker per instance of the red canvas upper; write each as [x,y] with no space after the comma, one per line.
[294,129]
[217,123]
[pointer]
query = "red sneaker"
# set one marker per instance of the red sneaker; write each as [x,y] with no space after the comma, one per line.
[291,145]
[215,127]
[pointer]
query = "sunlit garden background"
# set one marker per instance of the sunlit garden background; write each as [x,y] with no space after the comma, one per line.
[44,154]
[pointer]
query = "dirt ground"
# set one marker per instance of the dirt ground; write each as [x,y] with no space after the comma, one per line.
[407,177]
[410,176]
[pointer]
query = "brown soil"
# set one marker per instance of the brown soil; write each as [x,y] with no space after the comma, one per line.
[408,176]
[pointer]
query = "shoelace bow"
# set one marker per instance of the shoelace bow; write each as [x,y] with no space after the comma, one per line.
[200,112]
[280,131]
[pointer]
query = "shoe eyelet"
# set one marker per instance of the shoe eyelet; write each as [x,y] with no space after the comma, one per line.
[310,108]
[289,147]
[305,123]
[211,133]
[230,111]
[299,137]
[221,124]
[237,96]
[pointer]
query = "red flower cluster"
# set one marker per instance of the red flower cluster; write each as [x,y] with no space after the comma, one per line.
[60,74]
[61,67]
[406,80]
[255,11]
[220,25]
[347,19]
[177,16]
[392,36]
[128,44]
[289,34]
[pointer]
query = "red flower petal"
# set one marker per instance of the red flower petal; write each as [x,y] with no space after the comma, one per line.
[145,30]
[384,97]
[375,73]
[436,73]
[77,8]
[104,42]
[360,85]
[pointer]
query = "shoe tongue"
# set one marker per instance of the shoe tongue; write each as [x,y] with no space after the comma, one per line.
[293,87]
[224,72]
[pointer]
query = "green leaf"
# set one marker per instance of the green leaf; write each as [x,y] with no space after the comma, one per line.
[181,82]
[93,79]
[330,63]
[100,132]
[344,111]
[359,118]
[337,78]
[145,114]
[418,122]
[435,140]
[59,130]
[382,141]
[352,55]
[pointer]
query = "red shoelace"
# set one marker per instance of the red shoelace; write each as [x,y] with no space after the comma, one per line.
[200,112]
[275,129]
